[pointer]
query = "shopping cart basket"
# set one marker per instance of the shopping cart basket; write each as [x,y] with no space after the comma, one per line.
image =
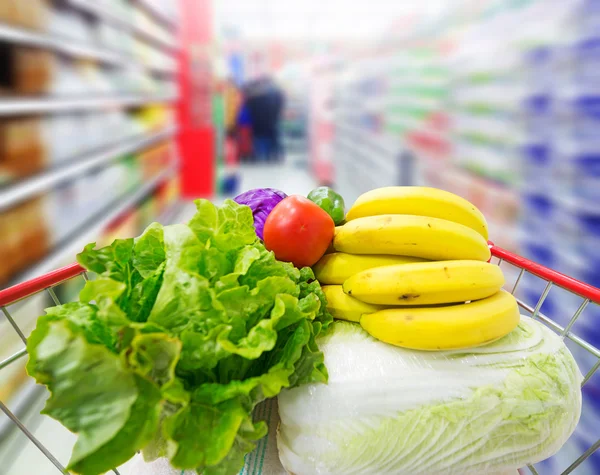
[587,293]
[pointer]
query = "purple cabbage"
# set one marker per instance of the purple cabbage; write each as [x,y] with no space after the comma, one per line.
[261,201]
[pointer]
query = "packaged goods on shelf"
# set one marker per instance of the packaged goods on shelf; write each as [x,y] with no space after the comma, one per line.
[154,160]
[155,117]
[536,166]
[537,210]
[147,23]
[164,10]
[97,80]
[70,24]
[31,14]
[113,38]
[63,138]
[68,80]
[26,70]
[578,171]
[87,196]
[581,226]
[22,148]
[24,237]
[70,135]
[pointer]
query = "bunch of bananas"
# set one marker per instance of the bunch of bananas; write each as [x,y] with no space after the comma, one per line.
[410,265]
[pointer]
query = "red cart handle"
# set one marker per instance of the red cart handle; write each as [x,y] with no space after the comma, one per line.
[577,287]
[33,286]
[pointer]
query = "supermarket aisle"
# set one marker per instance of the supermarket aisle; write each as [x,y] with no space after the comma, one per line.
[287,177]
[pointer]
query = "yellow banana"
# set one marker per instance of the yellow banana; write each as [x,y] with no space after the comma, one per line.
[445,327]
[416,236]
[419,201]
[335,268]
[426,283]
[344,307]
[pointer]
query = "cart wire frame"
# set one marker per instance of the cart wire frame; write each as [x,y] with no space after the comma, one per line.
[552,278]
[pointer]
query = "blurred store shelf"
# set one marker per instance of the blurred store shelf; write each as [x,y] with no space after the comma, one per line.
[94,225]
[17,35]
[22,36]
[52,177]
[154,10]
[100,11]
[88,128]
[20,106]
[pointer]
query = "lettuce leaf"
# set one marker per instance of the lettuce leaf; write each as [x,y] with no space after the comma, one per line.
[181,333]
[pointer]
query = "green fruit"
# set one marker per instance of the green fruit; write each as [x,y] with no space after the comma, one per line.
[330,201]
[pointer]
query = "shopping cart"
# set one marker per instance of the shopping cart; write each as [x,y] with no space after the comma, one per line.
[587,293]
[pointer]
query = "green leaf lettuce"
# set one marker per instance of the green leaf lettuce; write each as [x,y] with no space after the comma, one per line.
[175,340]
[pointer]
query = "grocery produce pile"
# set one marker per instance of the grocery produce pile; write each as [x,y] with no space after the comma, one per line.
[185,329]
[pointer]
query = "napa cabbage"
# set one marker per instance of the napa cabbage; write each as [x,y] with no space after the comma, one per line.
[389,410]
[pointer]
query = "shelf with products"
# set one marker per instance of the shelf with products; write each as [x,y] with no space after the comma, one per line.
[22,106]
[38,75]
[86,152]
[373,147]
[117,13]
[158,10]
[129,21]
[44,181]
[66,29]
[82,50]
[21,36]
[44,228]
[34,144]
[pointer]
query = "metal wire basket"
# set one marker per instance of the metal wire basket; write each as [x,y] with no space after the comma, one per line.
[585,292]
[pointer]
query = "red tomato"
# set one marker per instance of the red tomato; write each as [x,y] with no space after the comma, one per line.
[298,231]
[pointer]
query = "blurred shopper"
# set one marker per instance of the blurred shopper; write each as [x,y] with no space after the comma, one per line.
[231,175]
[244,135]
[233,102]
[265,102]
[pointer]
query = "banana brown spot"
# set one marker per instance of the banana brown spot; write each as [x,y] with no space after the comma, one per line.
[408,296]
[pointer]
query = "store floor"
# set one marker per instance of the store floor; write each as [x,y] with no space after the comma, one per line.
[291,178]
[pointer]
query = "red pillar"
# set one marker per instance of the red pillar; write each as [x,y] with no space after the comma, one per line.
[196,133]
